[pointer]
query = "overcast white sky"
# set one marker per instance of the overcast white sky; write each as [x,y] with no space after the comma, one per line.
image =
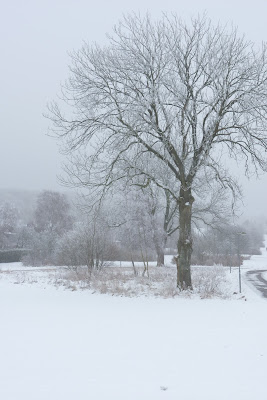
[36,36]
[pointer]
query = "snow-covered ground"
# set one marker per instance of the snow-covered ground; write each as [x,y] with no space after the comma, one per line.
[57,344]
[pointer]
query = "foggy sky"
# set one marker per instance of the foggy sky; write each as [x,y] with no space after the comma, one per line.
[36,37]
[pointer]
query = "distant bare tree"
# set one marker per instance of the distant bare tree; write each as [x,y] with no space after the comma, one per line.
[52,213]
[134,227]
[51,220]
[9,220]
[181,94]
[162,210]
[88,244]
[221,245]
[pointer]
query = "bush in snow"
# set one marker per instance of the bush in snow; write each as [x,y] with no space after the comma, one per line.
[209,281]
[89,244]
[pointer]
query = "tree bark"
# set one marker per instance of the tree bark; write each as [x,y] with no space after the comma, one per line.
[160,257]
[185,240]
[160,247]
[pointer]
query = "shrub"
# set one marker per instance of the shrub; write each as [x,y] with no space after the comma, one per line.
[209,281]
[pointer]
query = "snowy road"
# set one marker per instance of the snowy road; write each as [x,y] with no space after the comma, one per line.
[256,271]
[257,278]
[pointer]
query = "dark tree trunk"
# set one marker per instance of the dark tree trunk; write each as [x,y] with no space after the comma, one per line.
[160,257]
[160,247]
[185,240]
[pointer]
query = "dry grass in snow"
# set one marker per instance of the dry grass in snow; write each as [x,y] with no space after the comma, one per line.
[161,281]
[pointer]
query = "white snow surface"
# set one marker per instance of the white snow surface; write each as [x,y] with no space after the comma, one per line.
[58,344]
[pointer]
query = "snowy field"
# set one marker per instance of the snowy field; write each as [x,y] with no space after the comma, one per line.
[61,344]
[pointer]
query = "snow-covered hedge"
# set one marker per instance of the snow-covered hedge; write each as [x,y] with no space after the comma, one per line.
[12,255]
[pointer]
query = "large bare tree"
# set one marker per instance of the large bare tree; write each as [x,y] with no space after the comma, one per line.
[186,95]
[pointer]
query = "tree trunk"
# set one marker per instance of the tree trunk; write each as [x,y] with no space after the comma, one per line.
[185,240]
[160,257]
[160,247]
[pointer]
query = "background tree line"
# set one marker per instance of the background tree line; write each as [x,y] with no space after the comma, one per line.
[134,225]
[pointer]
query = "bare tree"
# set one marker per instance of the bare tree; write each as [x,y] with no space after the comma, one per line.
[89,244]
[133,224]
[52,213]
[9,221]
[51,220]
[181,94]
[162,210]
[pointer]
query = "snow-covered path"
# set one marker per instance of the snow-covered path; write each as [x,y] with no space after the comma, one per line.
[258,280]
[66,345]
[255,271]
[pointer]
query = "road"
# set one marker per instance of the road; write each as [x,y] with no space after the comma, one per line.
[258,281]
